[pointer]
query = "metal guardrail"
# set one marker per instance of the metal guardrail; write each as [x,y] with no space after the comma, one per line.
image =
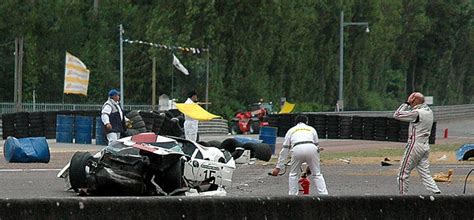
[6,107]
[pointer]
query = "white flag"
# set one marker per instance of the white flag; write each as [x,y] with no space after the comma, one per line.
[76,76]
[179,66]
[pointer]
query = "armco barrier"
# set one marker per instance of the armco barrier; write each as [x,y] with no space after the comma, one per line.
[282,207]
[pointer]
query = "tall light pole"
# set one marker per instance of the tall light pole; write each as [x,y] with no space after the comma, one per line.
[122,92]
[340,101]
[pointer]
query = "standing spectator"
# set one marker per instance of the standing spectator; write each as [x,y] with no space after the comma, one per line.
[112,116]
[417,150]
[302,141]
[190,124]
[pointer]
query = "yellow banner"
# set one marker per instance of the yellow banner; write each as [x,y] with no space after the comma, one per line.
[286,108]
[195,111]
[76,76]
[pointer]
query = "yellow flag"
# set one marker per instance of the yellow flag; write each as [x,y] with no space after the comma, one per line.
[287,108]
[195,111]
[76,76]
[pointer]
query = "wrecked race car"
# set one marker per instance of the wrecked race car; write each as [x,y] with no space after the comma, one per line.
[150,164]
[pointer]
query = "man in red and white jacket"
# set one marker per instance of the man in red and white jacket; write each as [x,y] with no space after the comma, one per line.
[420,116]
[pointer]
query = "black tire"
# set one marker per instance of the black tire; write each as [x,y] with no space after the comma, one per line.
[133,114]
[136,118]
[131,132]
[230,144]
[138,124]
[215,143]
[77,172]
[237,153]
[173,178]
[234,128]
[203,143]
[262,151]
[248,146]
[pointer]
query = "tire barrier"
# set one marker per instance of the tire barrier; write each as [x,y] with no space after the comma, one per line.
[36,122]
[83,129]
[369,128]
[318,121]
[357,127]
[345,127]
[255,207]
[286,121]
[21,124]
[64,128]
[213,127]
[49,119]
[26,150]
[8,125]
[333,126]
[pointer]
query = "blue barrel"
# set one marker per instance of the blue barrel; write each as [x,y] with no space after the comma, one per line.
[83,128]
[26,150]
[64,128]
[268,136]
[99,132]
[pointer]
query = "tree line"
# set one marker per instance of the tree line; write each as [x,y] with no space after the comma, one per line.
[257,49]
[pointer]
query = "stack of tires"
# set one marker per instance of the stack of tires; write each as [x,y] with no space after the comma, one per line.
[380,130]
[403,133]
[332,125]
[148,120]
[286,122]
[158,122]
[36,120]
[273,120]
[138,125]
[318,122]
[8,125]
[49,123]
[393,129]
[369,128]
[171,127]
[21,124]
[345,126]
[213,127]
[357,127]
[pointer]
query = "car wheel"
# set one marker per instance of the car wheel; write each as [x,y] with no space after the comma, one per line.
[237,153]
[77,170]
[230,144]
[215,143]
[262,151]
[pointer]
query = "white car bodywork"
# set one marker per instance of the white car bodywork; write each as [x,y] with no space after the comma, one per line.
[201,163]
